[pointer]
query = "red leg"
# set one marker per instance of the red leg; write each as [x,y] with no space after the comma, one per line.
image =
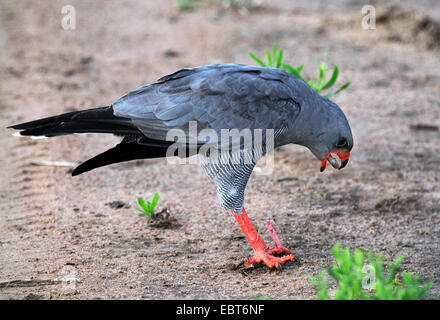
[273,234]
[262,252]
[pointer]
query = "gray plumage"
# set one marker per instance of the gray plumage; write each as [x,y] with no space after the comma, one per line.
[215,97]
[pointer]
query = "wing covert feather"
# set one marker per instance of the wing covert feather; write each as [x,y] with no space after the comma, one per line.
[216,96]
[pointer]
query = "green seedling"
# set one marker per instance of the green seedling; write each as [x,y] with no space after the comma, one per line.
[274,59]
[147,209]
[191,5]
[357,280]
[188,5]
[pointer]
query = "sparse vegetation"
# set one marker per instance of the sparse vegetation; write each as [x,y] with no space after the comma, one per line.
[274,59]
[188,5]
[147,209]
[357,280]
[240,5]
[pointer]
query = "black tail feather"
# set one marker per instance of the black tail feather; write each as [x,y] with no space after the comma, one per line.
[100,120]
[122,152]
[97,120]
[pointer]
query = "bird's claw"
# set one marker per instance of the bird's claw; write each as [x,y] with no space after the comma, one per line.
[271,257]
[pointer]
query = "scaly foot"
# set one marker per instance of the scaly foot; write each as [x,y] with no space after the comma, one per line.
[271,257]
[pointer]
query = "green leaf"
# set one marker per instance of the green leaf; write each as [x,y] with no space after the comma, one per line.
[344,86]
[154,200]
[289,69]
[292,70]
[332,79]
[269,58]
[139,209]
[274,52]
[279,59]
[258,60]
[396,265]
[321,77]
[142,204]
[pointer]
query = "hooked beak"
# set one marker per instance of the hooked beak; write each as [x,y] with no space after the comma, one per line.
[343,155]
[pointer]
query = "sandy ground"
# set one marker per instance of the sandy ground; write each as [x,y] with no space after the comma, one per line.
[53,225]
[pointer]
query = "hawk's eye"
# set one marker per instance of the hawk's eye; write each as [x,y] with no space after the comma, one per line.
[342,143]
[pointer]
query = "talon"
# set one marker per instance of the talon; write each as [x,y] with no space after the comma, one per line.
[239,265]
